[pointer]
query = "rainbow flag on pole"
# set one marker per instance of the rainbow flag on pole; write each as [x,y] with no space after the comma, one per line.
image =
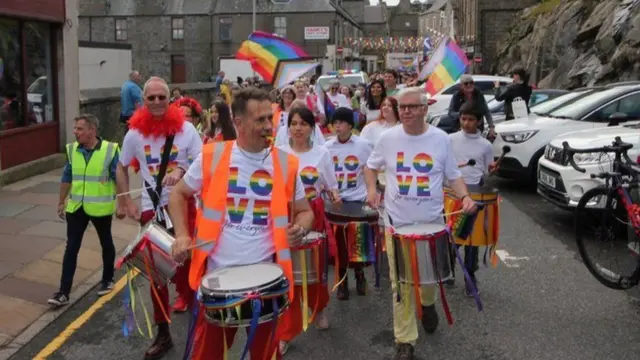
[453,64]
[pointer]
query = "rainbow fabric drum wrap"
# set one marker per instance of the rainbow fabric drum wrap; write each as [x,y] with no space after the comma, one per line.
[244,296]
[481,228]
[358,224]
[310,260]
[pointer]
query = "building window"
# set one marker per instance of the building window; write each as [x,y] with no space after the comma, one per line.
[177,29]
[38,75]
[11,89]
[121,29]
[280,26]
[225,28]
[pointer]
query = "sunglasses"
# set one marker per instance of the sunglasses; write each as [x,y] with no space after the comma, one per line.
[468,83]
[154,97]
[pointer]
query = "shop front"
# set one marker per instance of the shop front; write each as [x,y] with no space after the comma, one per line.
[29,123]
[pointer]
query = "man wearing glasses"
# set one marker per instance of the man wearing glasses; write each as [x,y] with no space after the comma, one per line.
[419,157]
[469,93]
[161,141]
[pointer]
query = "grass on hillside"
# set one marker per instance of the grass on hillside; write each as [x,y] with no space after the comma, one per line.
[545,7]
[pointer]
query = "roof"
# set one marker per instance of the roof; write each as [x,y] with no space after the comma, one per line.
[438,6]
[262,6]
[373,14]
[142,7]
[190,7]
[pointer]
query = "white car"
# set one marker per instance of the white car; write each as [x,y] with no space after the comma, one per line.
[439,103]
[528,137]
[346,77]
[560,183]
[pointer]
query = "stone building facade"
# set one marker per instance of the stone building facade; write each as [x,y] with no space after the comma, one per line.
[437,21]
[183,40]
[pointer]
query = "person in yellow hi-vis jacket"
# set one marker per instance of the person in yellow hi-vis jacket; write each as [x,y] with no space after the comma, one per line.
[88,181]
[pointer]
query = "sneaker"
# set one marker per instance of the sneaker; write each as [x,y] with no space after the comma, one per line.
[634,247]
[283,347]
[361,283]
[180,305]
[322,320]
[404,352]
[468,289]
[450,283]
[105,288]
[429,319]
[58,299]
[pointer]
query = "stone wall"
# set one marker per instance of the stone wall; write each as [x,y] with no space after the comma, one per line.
[105,104]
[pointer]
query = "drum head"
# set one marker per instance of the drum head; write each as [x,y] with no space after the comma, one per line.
[143,232]
[242,278]
[420,229]
[357,210]
[477,189]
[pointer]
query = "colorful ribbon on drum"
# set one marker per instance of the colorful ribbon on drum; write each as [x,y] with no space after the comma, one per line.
[461,226]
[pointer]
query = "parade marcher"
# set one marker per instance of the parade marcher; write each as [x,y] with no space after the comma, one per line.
[391,82]
[282,107]
[176,94]
[336,97]
[469,93]
[374,97]
[350,154]
[412,152]
[192,111]
[243,241]
[88,181]
[162,142]
[130,97]
[282,137]
[520,88]
[219,127]
[389,117]
[317,175]
[468,144]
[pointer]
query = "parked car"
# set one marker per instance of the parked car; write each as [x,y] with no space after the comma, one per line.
[560,183]
[439,103]
[449,124]
[528,137]
[346,77]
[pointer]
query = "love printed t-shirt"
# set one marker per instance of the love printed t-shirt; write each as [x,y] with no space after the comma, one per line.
[416,166]
[349,160]
[315,170]
[282,137]
[187,145]
[247,235]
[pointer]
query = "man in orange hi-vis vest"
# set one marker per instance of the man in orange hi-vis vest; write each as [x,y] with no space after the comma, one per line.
[247,187]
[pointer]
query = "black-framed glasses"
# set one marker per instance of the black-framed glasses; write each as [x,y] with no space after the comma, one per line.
[467,83]
[411,107]
[154,97]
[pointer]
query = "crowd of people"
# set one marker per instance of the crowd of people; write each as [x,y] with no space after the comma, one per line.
[247,179]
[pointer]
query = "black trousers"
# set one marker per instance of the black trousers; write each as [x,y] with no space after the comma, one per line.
[77,223]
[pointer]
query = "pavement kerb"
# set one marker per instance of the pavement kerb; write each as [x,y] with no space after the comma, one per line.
[48,317]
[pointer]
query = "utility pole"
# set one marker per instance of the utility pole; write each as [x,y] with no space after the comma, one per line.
[254,16]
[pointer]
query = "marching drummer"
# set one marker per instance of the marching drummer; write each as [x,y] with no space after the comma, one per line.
[317,174]
[468,144]
[244,217]
[350,153]
[417,158]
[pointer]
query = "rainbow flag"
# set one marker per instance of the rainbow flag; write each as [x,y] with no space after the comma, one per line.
[453,64]
[277,60]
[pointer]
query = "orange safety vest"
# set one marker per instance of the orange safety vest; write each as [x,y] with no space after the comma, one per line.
[216,160]
[277,112]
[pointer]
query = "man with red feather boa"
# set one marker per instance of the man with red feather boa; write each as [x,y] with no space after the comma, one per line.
[149,128]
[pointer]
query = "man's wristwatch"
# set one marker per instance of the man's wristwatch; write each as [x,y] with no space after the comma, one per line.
[464,196]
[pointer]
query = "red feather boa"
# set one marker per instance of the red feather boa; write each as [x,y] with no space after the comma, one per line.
[143,121]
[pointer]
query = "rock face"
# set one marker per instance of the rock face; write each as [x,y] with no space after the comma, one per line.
[574,43]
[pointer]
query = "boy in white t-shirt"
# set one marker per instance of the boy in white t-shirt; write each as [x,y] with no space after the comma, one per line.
[469,144]
[350,154]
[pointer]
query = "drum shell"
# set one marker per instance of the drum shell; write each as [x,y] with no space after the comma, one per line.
[346,212]
[425,259]
[316,260]
[161,264]
[490,215]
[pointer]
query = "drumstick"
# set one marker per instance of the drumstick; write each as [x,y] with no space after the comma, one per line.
[135,191]
[505,150]
[471,162]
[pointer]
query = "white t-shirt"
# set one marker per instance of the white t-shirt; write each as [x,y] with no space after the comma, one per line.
[349,160]
[472,146]
[416,166]
[282,137]
[187,145]
[339,100]
[247,234]
[370,114]
[316,170]
[373,130]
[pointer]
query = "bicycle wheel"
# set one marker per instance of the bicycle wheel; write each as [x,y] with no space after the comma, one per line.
[601,222]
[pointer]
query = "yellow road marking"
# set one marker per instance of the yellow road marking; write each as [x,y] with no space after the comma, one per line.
[56,343]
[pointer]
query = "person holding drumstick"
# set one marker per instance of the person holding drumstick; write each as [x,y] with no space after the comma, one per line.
[469,144]
[317,175]
[350,153]
[248,188]
[417,159]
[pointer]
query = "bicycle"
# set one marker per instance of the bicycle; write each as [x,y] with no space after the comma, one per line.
[610,203]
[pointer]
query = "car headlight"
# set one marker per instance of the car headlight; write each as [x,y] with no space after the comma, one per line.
[591,158]
[518,137]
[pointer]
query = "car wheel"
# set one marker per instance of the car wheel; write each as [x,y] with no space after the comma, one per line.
[532,170]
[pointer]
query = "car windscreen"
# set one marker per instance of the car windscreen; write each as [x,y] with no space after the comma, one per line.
[344,80]
[584,105]
[551,105]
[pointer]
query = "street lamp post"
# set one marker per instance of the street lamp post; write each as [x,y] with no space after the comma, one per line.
[254,15]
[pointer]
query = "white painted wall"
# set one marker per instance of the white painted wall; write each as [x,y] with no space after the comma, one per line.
[103,67]
[68,79]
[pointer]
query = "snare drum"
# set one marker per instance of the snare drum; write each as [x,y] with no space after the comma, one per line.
[357,224]
[422,251]
[310,259]
[150,253]
[228,295]
[486,227]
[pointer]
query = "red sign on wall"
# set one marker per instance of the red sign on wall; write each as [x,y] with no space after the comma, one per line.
[44,10]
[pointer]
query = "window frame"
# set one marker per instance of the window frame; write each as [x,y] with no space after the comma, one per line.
[225,22]
[278,27]
[120,31]
[177,28]
[618,101]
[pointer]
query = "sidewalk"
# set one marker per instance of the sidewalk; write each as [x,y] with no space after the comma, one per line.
[32,243]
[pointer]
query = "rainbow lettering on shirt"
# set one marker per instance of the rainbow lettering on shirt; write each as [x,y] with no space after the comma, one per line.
[351,162]
[261,183]
[261,212]
[423,186]
[336,164]
[352,180]
[153,163]
[236,213]
[404,184]
[422,163]
[400,163]
[233,182]
[309,176]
